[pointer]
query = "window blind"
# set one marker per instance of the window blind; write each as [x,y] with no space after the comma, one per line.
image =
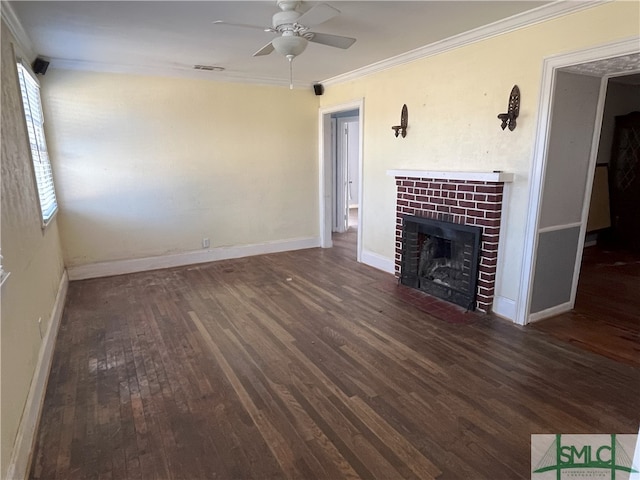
[35,126]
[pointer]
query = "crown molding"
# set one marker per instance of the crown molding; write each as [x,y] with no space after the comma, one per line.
[541,14]
[17,30]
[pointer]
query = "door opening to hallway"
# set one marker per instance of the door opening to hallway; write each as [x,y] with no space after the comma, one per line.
[346,174]
[341,167]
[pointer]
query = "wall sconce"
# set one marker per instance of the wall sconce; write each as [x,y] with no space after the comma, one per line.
[509,118]
[404,122]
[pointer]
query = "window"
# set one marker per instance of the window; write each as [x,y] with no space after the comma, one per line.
[35,125]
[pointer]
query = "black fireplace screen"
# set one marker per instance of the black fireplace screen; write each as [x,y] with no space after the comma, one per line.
[441,258]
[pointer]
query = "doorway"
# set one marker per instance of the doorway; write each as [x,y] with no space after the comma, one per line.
[346,179]
[605,318]
[341,189]
[573,93]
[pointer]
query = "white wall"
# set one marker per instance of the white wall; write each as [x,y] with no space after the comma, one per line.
[453,99]
[149,167]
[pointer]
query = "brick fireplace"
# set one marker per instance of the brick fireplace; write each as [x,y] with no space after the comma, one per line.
[466,198]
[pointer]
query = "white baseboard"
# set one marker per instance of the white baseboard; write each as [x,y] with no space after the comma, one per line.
[505,307]
[377,261]
[550,312]
[25,439]
[120,267]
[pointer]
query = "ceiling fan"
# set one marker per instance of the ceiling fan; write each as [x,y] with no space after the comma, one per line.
[294,31]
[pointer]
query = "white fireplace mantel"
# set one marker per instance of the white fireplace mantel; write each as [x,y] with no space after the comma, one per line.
[495,176]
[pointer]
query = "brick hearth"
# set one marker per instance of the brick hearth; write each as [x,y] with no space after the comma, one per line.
[466,202]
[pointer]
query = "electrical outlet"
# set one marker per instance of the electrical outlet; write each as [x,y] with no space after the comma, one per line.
[205,243]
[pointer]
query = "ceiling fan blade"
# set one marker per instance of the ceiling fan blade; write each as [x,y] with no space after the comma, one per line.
[331,40]
[266,50]
[317,15]
[243,25]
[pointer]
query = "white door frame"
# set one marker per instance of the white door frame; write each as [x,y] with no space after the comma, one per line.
[539,163]
[325,170]
[340,189]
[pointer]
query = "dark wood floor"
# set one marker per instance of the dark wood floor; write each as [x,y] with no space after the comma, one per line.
[296,365]
[606,317]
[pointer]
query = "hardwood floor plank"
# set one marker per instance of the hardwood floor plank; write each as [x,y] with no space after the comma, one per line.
[606,317]
[353,446]
[274,438]
[309,365]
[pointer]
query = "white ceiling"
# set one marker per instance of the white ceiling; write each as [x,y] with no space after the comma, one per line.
[170,37]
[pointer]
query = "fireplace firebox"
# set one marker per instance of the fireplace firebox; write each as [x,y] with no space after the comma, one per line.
[441,258]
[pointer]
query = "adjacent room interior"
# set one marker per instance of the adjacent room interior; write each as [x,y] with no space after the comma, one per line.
[280,240]
[603,318]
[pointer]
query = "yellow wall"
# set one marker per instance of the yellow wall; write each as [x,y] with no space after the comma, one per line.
[453,100]
[32,256]
[149,166]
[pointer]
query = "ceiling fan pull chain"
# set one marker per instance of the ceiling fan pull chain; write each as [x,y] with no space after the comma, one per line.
[290,58]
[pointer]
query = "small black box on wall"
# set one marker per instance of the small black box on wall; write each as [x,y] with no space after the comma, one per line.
[318,89]
[40,66]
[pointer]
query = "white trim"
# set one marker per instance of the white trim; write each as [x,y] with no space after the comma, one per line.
[17,30]
[550,312]
[538,164]
[120,267]
[360,179]
[614,49]
[524,19]
[376,260]
[326,133]
[563,226]
[324,159]
[504,307]
[473,176]
[25,439]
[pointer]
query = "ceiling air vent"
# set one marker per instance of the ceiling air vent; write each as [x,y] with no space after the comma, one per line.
[208,68]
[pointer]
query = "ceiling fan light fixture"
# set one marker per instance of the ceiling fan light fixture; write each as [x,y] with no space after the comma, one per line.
[289,45]
[293,32]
